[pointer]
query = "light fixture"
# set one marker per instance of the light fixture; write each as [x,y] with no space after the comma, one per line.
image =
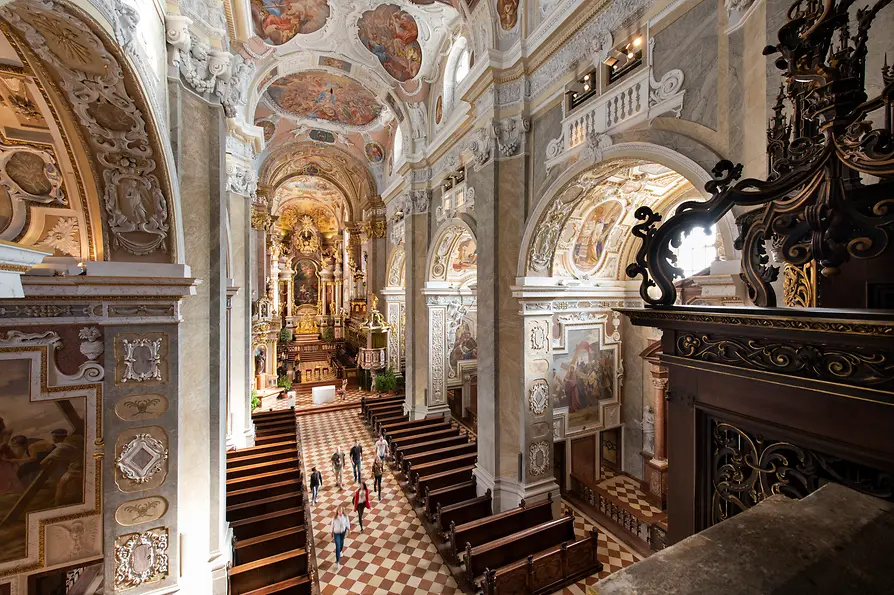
[586,87]
[611,62]
[630,55]
[586,77]
[637,42]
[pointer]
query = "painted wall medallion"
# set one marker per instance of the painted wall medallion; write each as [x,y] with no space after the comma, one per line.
[141,407]
[141,558]
[143,510]
[321,136]
[390,34]
[325,96]
[42,454]
[508,13]
[439,109]
[278,21]
[374,152]
[335,63]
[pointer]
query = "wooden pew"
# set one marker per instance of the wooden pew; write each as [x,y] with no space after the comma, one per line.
[499,525]
[415,473]
[395,435]
[255,577]
[366,404]
[280,464]
[274,488]
[449,495]
[415,424]
[242,453]
[547,571]
[269,544]
[437,454]
[430,445]
[381,423]
[299,585]
[397,445]
[372,411]
[463,512]
[290,450]
[260,480]
[264,504]
[516,546]
[268,523]
[442,479]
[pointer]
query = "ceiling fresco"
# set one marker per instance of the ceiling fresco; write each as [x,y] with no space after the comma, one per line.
[391,34]
[278,21]
[324,96]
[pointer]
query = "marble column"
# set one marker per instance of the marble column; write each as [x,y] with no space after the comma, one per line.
[656,468]
[198,131]
[416,238]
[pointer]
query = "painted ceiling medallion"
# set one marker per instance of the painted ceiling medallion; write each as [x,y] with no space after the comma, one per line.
[278,21]
[325,96]
[374,152]
[391,33]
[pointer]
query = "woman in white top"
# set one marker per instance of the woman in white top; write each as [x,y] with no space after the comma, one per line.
[341,524]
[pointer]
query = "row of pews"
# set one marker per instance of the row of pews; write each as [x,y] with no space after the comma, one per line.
[265,509]
[519,551]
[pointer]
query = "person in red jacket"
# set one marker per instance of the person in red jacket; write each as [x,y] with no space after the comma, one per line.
[361,503]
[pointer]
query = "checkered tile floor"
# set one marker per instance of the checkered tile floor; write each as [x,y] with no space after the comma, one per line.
[394,554]
[627,491]
[613,554]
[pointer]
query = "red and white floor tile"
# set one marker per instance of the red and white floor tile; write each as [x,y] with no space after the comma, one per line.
[394,554]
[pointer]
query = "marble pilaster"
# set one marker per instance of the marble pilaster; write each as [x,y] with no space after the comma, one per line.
[416,241]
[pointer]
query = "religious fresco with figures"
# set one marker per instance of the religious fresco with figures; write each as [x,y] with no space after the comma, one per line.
[507,10]
[42,455]
[391,35]
[374,152]
[307,282]
[463,259]
[589,247]
[463,345]
[324,96]
[278,21]
[583,374]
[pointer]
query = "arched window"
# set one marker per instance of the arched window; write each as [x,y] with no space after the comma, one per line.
[398,146]
[459,62]
[697,251]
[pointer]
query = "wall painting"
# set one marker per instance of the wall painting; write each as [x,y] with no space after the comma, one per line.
[593,237]
[306,282]
[464,259]
[321,136]
[335,63]
[508,13]
[41,455]
[325,96]
[390,34]
[583,377]
[463,345]
[439,109]
[278,21]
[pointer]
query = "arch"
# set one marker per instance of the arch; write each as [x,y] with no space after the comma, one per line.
[611,157]
[396,268]
[135,215]
[450,82]
[443,251]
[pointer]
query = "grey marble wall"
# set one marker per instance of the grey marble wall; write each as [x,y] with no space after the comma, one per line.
[199,129]
[544,128]
[416,239]
[690,44]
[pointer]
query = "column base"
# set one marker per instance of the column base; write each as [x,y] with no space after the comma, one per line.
[422,411]
[655,481]
[507,493]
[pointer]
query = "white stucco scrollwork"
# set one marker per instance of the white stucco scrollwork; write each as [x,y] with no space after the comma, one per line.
[538,456]
[538,397]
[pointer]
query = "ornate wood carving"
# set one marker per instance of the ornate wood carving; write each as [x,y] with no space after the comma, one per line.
[814,205]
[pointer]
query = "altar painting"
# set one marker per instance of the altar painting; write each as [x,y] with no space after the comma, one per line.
[584,377]
[463,345]
[41,455]
[306,282]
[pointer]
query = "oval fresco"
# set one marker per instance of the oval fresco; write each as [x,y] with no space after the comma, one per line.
[390,33]
[278,21]
[439,109]
[321,136]
[325,96]
[374,152]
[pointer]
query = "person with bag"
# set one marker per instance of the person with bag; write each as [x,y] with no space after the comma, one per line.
[316,482]
[341,525]
[377,470]
[361,503]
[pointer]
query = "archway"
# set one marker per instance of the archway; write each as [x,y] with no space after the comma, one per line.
[451,296]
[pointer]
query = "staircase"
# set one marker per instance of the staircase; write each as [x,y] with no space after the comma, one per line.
[265,509]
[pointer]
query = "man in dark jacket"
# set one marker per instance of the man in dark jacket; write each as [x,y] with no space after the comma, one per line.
[316,481]
[356,456]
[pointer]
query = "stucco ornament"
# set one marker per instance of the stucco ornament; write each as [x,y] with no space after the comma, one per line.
[141,558]
[600,48]
[538,336]
[144,354]
[22,167]
[547,236]
[480,146]
[420,200]
[142,458]
[242,180]
[63,237]
[538,397]
[596,144]
[668,87]
[539,458]
[510,133]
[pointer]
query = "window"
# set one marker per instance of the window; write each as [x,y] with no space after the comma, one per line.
[697,251]
[398,146]
[462,67]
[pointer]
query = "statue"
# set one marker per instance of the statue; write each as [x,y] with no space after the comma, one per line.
[260,362]
[374,302]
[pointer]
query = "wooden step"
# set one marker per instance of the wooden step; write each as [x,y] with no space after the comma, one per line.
[268,425]
[253,450]
[251,459]
[244,510]
[300,585]
[271,438]
[251,494]
[261,480]
[268,523]
[264,467]
[269,544]
[262,415]
[266,571]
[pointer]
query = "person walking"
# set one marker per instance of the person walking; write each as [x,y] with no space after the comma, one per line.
[382,447]
[338,465]
[341,525]
[356,456]
[361,503]
[377,470]
[316,482]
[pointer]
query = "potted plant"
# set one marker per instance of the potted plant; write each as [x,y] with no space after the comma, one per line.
[284,383]
[255,400]
[328,334]
[386,381]
[285,334]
